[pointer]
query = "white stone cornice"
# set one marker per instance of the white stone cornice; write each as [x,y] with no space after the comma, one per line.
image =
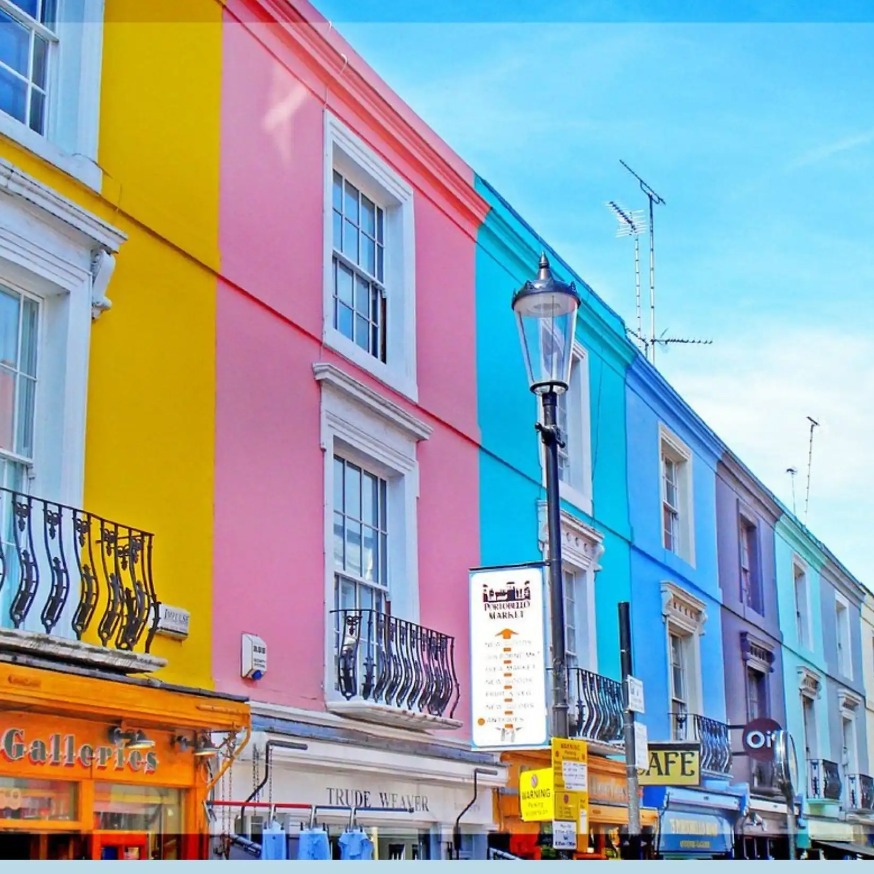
[333,378]
[682,608]
[581,545]
[51,205]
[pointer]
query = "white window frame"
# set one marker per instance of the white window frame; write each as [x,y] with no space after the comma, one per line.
[685,616]
[577,488]
[810,689]
[581,550]
[842,623]
[803,628]
[369,430]
[53,250]
[849,706]
[358,163]
[671,447]
[73,114]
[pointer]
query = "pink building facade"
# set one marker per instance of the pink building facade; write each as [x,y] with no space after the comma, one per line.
[346,491]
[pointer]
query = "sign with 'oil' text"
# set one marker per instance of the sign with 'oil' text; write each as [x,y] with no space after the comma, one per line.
[507,658]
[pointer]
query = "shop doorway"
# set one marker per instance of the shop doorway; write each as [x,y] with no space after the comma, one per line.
[54,846]
[120,847]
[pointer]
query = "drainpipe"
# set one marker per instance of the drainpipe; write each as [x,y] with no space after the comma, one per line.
[456,831]
[268,749]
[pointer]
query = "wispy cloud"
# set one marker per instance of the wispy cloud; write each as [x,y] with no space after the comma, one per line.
[823,153]
[757,390]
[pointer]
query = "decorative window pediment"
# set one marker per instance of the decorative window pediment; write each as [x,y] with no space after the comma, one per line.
[683,609]
[756,654]
[848,701]
[581,545]
[809,683]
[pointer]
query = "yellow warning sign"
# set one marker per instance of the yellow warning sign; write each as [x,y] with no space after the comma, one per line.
[535,795]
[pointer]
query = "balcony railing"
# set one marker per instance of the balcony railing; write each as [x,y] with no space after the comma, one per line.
[824,779]
[711,734]
[389,661]
[75,575]
[596,707]
[860,792]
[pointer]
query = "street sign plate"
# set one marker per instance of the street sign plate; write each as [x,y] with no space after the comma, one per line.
[635,695]
[641,750]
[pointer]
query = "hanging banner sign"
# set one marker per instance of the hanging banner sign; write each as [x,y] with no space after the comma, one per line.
[507,658]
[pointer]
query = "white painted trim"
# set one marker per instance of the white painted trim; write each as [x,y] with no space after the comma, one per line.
[670,444]
[579,491]
[361,165]
[800,564]
[46,204]
[382,437]
[73,111]
[848,653]
[685,615]
[809,683]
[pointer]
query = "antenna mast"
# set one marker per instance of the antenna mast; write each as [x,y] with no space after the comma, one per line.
[792,471]
[632,224]
[813,424]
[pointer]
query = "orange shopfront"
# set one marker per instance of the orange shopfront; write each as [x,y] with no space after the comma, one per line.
[94,768]
[607,814]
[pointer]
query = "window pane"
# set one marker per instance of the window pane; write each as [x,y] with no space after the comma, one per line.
[379,265]
[344,320]
[9,304]
[26,396]
[362,296]
[338,484]
[353,547]
[49,13]
[338,541]
[369,556]
[368,255]
[337,231]
[379,218]
[27,6]
[368,216]
[362,332]
[37,110]
[14,44]
[7,408]
[26,799]
[352,505]
[337,192]
[350,241]
[344,281]
[350,203]
[369,493]
[40,60]
[13,95]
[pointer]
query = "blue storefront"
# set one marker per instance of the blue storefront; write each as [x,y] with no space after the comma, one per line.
[695,823]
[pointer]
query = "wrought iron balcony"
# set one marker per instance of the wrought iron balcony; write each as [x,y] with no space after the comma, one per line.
[860,792]
[596,707]
[824,780]
[388,664]
[711,734]
[74,576]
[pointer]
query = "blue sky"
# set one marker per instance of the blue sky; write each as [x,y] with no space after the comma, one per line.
[757,128]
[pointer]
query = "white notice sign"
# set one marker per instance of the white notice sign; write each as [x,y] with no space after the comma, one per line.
[564,834]
[635,695]
[507,658]
[575,776]
[641,751]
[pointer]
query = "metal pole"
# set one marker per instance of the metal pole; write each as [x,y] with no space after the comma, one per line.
[791,825]
[551,438]
[630,757]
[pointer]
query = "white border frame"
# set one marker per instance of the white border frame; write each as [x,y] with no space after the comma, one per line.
[372,431]
[348,154]
[683,455]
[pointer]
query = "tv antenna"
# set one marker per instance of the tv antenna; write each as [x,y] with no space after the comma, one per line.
[813,424]
[651,343]
[632,224]
[792,471]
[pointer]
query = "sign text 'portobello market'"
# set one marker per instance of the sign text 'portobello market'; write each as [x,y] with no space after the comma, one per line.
[63,750]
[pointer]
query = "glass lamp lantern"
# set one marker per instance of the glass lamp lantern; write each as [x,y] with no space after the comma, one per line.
[546,312]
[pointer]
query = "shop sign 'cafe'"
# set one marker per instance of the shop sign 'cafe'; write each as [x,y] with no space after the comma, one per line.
[63,750]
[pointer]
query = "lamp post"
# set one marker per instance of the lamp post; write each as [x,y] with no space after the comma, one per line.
[546,311]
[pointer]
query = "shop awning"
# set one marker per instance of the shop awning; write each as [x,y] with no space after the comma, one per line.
[848,848]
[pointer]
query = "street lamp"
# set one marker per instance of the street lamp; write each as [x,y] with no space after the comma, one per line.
[546,311]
